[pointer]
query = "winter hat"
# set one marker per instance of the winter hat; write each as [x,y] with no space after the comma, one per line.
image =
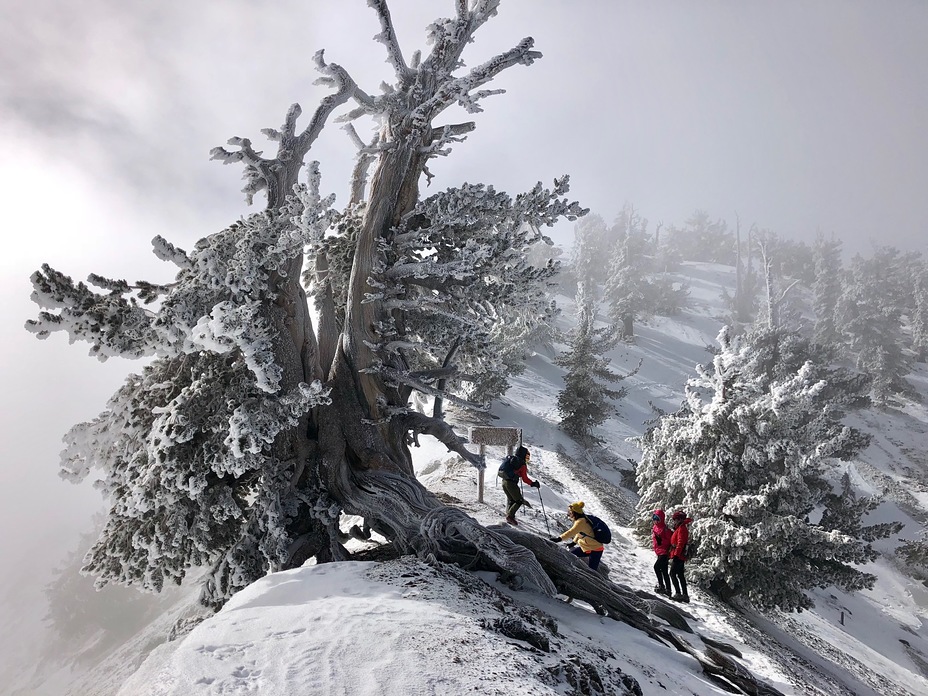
[679,515]
[576,508]
[521,453]
[659,514]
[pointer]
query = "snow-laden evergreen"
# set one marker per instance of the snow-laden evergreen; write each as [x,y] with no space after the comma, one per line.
[460,286]
[624,286]
[870,318]
[258,424]
[920,317]
[184,449]
[826,289]
[750,456]
[587,399]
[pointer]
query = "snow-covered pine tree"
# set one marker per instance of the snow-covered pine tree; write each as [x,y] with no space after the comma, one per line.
[460,275]
[587,400]
[253,428]
[592,241]
[869,317]
[749,456]
[623,289]
[702,239]
[920,317]
[826,289]
[634,288]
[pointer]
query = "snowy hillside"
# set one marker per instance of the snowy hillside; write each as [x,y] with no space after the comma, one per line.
[449,632]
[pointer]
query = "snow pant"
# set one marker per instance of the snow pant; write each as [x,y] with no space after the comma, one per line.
[594,557]
[676,574]
[660,570]
[514,499]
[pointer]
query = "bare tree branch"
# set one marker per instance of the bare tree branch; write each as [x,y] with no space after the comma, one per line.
[387,37]
[444,433]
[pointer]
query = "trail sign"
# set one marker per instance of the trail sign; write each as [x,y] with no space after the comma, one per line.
[494,437]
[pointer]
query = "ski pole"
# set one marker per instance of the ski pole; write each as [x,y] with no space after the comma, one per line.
[543,513]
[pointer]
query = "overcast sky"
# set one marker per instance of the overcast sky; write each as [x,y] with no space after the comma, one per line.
[799,116]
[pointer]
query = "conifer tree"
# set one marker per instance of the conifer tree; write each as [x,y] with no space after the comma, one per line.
[920,317]
[636,287]
[254,427]
[624,284]
[592,241]
[869,314]
[826,290]
[704,239]
[749,456]
[586,400]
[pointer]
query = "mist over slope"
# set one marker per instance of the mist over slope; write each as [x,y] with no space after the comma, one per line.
[305,631]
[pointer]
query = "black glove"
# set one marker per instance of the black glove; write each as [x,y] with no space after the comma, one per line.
[536,484]
[571,544]
[556,539]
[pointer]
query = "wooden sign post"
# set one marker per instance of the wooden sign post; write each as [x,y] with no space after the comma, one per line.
[499,437]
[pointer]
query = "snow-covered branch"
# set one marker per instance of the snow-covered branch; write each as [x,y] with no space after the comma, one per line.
[458,89]
[441,431]
[420,386]
[387,37]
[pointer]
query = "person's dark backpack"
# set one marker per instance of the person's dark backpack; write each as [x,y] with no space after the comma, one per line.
[507,469]
[601,531]
[690,550]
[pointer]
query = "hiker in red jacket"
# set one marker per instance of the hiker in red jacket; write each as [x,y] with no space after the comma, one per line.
[660,541]
[678,542]
[515,467]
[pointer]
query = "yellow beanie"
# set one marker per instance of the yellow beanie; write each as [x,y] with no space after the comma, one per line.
[576,507]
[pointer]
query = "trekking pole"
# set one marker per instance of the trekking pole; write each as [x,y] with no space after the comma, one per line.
[543,513]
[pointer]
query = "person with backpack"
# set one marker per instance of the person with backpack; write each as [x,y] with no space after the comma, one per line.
[660,542]
[678,543]
[588,534]
[515,467]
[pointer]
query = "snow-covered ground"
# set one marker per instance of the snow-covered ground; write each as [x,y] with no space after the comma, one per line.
[401,627]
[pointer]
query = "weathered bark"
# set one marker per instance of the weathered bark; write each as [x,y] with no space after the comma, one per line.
[572,576]
[355,450]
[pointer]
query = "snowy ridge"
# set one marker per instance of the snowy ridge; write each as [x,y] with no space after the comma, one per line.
[454,632]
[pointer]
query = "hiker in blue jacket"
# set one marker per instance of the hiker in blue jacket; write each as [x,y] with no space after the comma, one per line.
[584,544]
[515,467]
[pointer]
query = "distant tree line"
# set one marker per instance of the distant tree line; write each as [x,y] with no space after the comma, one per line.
[758,452]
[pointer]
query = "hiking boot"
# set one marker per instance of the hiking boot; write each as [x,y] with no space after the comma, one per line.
[660,590]
[512,521]
[680,598]
[685,599]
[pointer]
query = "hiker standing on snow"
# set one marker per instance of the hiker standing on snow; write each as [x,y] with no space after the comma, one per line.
[678,542]
[660,541]
[515,467]
[581,534]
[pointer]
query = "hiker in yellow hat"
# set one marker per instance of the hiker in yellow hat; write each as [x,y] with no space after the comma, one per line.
[584,543]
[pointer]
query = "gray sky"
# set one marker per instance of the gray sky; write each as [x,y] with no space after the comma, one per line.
[797,115]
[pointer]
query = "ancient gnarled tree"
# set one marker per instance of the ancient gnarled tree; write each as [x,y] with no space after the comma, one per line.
[253,427]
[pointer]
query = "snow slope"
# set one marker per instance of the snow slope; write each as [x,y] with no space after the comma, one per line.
[402,627]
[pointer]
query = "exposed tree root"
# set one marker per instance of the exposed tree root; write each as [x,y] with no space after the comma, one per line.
[571,576]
